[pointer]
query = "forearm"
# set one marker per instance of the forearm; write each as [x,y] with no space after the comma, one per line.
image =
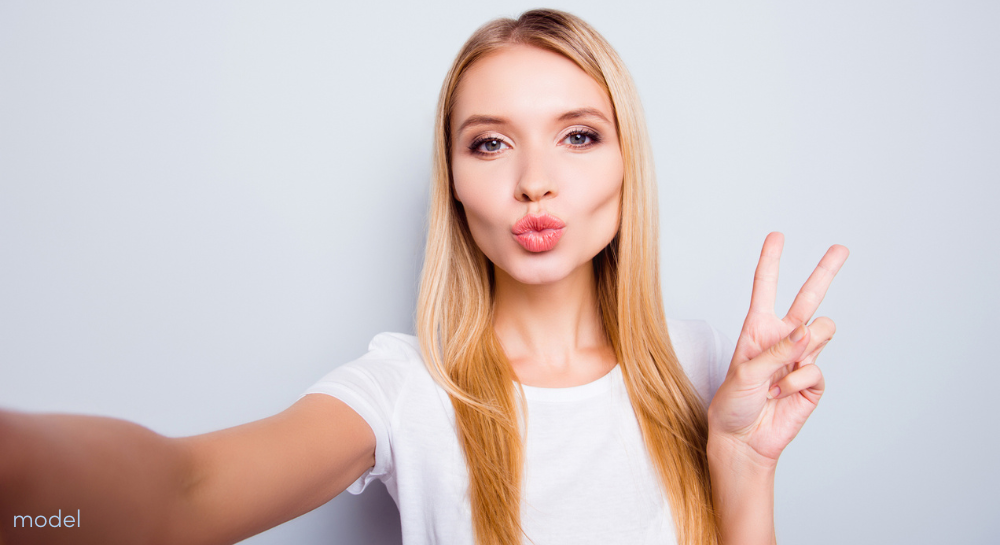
[743,491]
[118,480]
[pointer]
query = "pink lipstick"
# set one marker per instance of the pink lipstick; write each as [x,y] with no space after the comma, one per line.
[538,233]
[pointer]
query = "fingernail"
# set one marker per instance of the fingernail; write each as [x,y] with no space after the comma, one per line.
[774,392]
[798,333]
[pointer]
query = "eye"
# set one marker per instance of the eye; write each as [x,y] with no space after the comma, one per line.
[582,138]
[488,145]
[492,145]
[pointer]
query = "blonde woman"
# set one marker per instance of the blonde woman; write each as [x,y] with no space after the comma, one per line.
[545,397]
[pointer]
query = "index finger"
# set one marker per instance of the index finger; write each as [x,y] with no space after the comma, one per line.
[814,290]
[765,278]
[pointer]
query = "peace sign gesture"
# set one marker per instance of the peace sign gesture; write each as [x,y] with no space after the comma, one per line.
[773,384]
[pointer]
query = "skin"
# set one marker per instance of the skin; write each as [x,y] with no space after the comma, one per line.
[556,151]
[772,387]
[135,486]
[521,162]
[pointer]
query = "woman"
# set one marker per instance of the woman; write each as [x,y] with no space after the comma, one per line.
[544,391]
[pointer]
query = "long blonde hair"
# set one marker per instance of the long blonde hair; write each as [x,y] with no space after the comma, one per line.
[455,308]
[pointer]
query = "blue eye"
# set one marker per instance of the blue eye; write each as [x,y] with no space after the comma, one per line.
[491,145]
[582,139]
[488,146]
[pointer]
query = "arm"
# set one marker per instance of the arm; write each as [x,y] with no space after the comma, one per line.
[134,486]
[743,490]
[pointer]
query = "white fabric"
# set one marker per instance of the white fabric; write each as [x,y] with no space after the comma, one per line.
[588,478]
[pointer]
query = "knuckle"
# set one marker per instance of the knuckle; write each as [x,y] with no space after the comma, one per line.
[740,373]
[804,377]
[811,375]
[775,351]
[811,297]
[825,325]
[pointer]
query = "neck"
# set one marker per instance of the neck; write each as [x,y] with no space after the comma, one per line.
[552,333]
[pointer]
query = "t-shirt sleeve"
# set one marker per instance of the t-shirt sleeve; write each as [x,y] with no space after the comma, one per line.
[370,385]
[704,353]
[724,349]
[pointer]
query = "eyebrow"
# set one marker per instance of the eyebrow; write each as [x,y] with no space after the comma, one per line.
[583,112]
[491,120]
[481,120]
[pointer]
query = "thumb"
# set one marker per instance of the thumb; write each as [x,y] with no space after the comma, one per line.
[784,352]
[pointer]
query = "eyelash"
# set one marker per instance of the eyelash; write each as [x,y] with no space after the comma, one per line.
[474,146]
[593,136]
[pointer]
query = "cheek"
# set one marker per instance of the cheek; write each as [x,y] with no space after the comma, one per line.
[472,180]
[480,191]
[601,186]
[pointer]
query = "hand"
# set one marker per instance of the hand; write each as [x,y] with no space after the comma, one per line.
[773,384]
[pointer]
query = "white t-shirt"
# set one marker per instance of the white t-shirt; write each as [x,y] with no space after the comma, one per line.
[588,478]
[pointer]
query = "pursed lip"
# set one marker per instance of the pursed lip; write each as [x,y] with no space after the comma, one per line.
[536,222]
[538,232]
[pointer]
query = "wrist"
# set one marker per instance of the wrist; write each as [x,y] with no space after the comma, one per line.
[742,491]
[728,452]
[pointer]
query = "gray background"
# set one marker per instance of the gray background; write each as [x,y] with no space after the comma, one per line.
[204,207]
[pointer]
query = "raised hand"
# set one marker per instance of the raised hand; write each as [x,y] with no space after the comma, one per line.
[773,383]
[762,327]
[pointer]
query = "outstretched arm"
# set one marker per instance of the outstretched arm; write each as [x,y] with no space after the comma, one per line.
[132,485]
[772,387]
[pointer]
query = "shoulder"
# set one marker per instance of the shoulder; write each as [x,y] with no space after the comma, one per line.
[392,360]
[703,352]
[390,356]
[393,350]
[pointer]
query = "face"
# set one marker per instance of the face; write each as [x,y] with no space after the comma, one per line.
[536,163]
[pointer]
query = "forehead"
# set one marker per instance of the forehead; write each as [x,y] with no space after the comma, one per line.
[525,83]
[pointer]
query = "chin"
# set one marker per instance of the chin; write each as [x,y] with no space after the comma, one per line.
[536,271]
[538,278]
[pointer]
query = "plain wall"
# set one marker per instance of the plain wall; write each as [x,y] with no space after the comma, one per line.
[205,207]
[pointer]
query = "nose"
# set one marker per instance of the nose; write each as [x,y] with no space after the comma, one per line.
[534,182]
